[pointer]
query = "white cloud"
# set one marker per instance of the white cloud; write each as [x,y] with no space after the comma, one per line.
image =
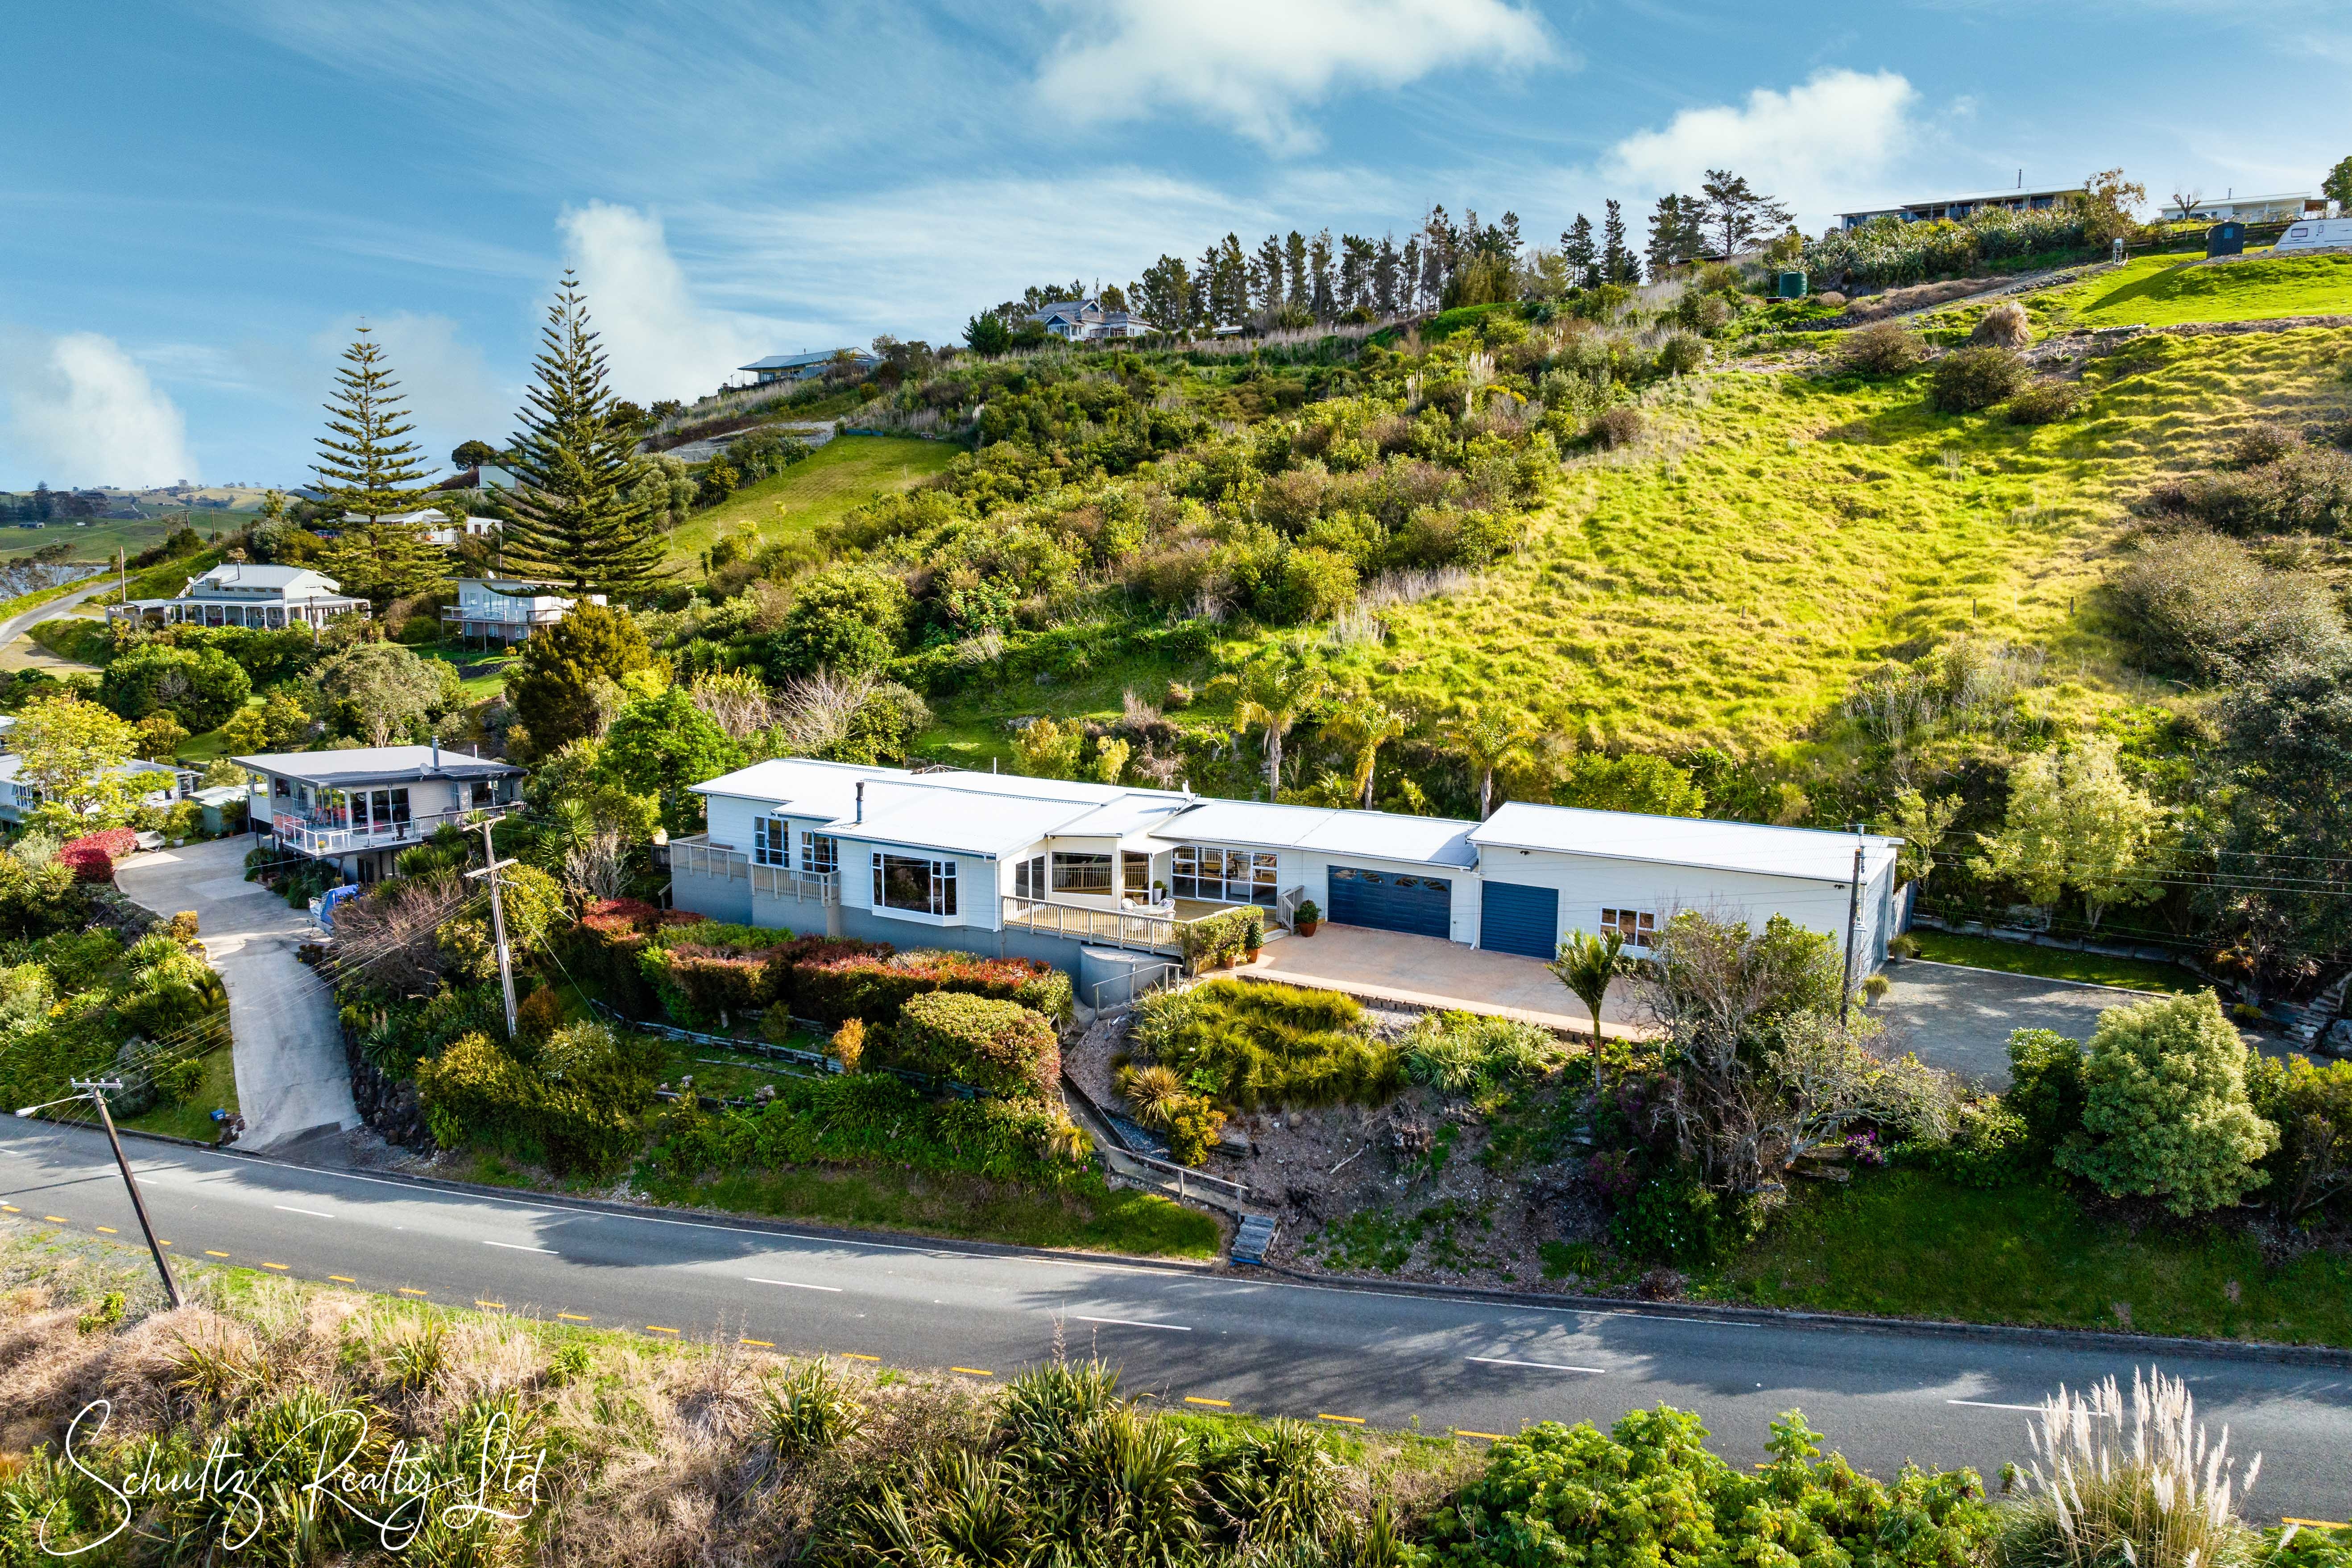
[659,341]
[82,412]
[1818,147]
[1250,66]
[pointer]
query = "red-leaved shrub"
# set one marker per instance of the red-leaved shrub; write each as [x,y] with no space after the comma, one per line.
[91,857]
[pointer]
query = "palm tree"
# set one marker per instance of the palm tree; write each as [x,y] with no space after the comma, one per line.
[1486,741]
[1586,965]
[1367,726]
[1271,695]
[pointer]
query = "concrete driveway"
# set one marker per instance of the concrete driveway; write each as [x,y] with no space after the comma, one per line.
[1428,971]
[291,1078]
[1960,1018]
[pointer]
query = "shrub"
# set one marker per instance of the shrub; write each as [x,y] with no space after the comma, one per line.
[1671,1219]
[1217,940]
[1883,348]
[579,1111]
[2261,445]
[1464,1053]
[2165,1107]
[2311,1108]
[2046,1086]
[91,857]
[201,687]
[833,986]
[1968,379]
[1252,1045]
[2045,403]
[707,970]
[1650,1493]
[2006,326]
[541,1014]
[1000,1046]
[2304,488]
[1619,426]
[1990,1146]
[1684,353]
[2198,603]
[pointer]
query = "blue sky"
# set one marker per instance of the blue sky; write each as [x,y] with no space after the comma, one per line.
[202,200]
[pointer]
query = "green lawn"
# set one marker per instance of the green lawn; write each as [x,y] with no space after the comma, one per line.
[1907,1243]
[2053,962]
[194,1120]
[846,472]
[1102,1219]
[2166,291]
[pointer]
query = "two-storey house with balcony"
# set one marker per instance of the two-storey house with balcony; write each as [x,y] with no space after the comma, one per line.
[237,594]
[507,609]
[359,808]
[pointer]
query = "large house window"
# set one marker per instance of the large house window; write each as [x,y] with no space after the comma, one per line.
[819,856]
[1029,878]
[912,882]
[771,841]
[484,793]
[1639,928]
[1082,873]
[1224,876]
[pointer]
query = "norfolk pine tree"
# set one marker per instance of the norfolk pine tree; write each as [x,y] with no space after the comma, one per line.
[367,468]
[575,517]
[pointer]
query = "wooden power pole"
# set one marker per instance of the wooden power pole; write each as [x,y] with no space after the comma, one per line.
[491,865]
[96,1087]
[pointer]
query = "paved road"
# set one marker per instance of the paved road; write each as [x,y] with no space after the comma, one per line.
[1245,1341]
[16,626]
[291,1078]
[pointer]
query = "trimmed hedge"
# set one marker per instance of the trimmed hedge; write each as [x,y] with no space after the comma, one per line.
[605,947]
[707,971]
[579,1111]
[91,857]
[1000,1046]
[877,986]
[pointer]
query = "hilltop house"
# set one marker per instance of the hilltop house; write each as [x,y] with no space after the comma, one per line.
[362,806]
[235,594]
[164,785]
[807,366]
[1049,868]
[505,608]
[1955,208]
[2290,207]
[1086,321]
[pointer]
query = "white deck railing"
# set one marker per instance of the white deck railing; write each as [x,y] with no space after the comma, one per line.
[800,887]
[333,839]
[698,856]
[1087,922]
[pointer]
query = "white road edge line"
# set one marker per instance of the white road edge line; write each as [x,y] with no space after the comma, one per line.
[314,1213]
[519,1246]
[1131,1323]
[1541,1365]
[792,1284]
[1989,1405]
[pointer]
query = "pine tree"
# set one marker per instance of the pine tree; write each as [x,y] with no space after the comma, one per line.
[1269,275]
[1618,263]
[1294,260]
[1409,275]
[573,516]
[1318,272]
[1576,248]
[1386,265]
[1666,230]
[368,470]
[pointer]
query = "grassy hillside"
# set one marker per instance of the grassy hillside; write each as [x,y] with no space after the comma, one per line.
[846,472]
[2168,291]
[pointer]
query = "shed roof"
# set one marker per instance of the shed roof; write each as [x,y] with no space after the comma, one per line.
[1802,852]
[1373,835]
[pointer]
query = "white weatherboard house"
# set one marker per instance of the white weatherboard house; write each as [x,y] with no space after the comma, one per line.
[1045,867]
[507,609]
[234,593]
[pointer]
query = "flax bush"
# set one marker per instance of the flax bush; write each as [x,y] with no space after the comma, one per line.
[1249,1045]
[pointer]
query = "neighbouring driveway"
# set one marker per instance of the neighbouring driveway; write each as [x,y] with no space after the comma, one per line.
[1427,972]
[291,1078]
[32,655]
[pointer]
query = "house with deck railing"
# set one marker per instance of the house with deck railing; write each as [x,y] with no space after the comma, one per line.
[1101,878]
[360,807]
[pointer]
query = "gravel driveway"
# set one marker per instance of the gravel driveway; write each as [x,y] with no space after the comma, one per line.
[291,1079]
[1960,1018]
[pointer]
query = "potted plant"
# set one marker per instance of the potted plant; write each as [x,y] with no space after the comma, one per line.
[1307,918]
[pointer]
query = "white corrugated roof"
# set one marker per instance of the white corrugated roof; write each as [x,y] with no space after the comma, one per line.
[1700,842]
[952,820]
[1378,834]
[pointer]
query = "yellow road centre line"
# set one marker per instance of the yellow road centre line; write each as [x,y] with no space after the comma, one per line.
[1219,1404]
[973,1370]
[280,1267]
[210,1253]
[493,1306]
[342,1279]
[853,1355]
[1350,1420]
[11,1209]
[56,1219]
[763,1344]
[574,1318]
[410,1290]
[658,1328]
[1465,1432]
[2314,1523]
[107,1230]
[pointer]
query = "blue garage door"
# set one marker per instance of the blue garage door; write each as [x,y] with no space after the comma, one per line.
[1390,900]
[1516,918]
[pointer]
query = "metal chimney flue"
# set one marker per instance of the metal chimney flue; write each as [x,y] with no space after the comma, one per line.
[861,800]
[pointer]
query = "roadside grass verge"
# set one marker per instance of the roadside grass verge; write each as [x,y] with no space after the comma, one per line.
[81,638]
[1909,1243]
[1095,1217]
[194,1119]
[2053,962]
[1725,580]
[844,474]
[2170,291]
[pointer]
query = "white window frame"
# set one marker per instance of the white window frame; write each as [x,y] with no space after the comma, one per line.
[1262,868]
[1639,928]
[941,890]
[820,854]
[1086,860]
[771,841]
